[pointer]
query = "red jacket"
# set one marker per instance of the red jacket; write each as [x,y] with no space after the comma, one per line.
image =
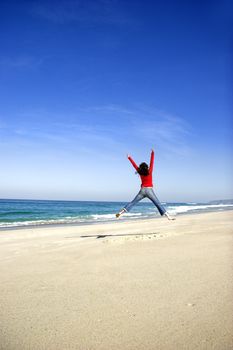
[146,179]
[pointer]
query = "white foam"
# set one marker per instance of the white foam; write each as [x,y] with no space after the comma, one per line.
[113,216]
[103,216]
[186,208]
[172,209]
[40,222]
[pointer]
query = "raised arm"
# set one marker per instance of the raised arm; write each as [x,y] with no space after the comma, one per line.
[152,156]
[132,162]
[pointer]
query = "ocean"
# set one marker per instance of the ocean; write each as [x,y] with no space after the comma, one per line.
[24,213]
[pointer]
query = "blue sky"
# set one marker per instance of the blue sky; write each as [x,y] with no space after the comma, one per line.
[83,83]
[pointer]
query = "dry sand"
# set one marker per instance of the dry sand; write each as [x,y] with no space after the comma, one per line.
[148,285]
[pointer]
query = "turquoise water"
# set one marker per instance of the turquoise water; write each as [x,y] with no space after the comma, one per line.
[17,213]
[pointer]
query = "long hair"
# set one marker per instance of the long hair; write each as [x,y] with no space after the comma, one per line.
[143,169]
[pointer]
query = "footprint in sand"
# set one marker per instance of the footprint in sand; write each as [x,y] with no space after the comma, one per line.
[131,237]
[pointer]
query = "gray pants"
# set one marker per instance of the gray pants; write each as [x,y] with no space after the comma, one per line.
[146,192]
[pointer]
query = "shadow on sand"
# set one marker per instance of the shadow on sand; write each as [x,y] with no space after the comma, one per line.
[118,235]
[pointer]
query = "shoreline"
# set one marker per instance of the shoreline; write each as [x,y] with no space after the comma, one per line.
[122,219]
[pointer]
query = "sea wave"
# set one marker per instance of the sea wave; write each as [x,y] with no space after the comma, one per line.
[41,222]
[113,216]
[13,213]
[143,212]
[186,208]
[70,220]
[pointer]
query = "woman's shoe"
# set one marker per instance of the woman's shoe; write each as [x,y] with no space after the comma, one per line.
[169,216]
[120,213]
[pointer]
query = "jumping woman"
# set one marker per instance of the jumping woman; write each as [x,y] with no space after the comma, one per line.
[146,190]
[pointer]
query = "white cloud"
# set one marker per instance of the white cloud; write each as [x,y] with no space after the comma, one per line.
[82,11]
[170,133]
[105,129]
[146,127]
[21,61]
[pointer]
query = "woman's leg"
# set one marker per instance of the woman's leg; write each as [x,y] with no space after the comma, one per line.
[151,195]
[129,206]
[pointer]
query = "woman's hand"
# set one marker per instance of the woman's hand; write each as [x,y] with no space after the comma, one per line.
[128,156]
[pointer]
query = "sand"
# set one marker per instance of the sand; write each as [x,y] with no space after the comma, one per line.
[152,284]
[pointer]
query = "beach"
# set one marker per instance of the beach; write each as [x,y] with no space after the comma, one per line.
[143,284]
